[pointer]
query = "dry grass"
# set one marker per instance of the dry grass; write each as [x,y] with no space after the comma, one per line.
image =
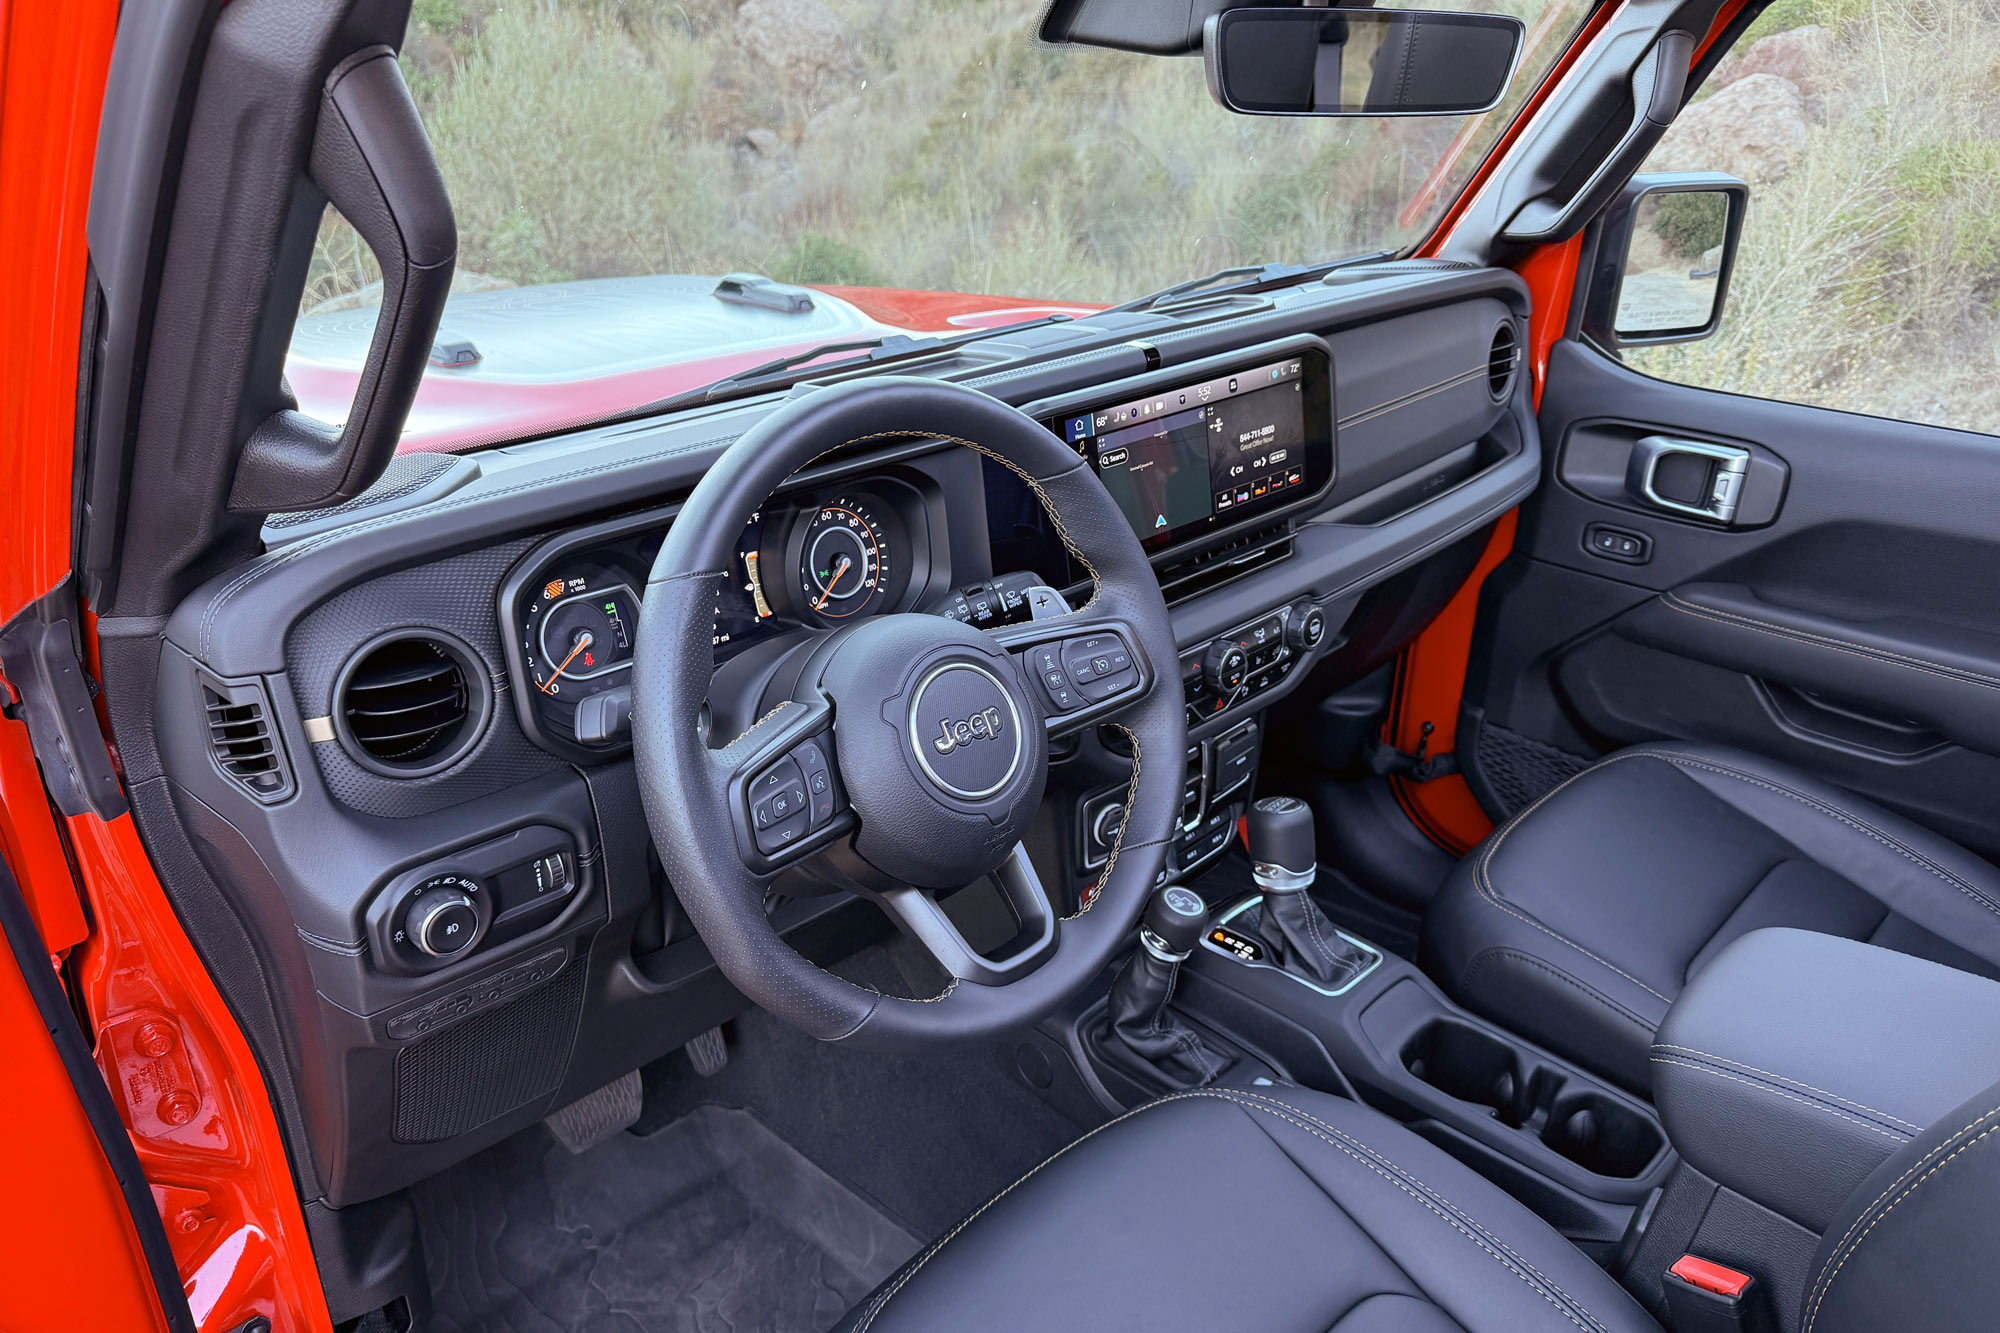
[590,138]
[1867,277]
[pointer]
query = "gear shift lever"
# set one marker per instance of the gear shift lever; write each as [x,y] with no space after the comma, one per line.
[1284,863]
[1138,1008]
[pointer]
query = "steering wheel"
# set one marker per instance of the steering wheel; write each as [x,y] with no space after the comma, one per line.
[918,744]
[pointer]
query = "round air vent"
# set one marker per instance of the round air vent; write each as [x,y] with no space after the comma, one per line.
[1502,360]
[410,703]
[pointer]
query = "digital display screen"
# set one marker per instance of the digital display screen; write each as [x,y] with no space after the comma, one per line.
[1193,456]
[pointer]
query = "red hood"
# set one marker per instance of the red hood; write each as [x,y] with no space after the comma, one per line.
[561,355]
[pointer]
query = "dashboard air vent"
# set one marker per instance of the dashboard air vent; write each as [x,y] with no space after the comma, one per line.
[1502,360]
[1232,560]
[410,704]
[240,737]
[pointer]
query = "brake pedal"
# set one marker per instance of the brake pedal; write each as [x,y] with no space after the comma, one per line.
[708,1053]
[591,1119]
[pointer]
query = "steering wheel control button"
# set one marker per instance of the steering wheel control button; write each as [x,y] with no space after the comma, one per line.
[965,731]
[779,814]
[1054,679]
[1100,665]
[821,798]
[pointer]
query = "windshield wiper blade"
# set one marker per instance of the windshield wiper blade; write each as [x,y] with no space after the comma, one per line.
[874,351]
[1247,278]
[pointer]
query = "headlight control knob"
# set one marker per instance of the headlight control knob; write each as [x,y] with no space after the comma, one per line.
[443,920]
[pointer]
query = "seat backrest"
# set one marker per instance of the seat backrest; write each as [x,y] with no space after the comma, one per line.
[1917,1246]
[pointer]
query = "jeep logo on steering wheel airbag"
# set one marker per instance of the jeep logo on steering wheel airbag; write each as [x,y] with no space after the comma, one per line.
[964,730]
[981,726]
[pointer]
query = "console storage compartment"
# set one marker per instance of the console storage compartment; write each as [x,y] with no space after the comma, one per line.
[1796,1062]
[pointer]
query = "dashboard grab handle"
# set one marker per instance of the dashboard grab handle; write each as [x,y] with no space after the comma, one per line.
[372,161]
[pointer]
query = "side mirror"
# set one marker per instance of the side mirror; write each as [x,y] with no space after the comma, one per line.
[1359,62]
[1664,252]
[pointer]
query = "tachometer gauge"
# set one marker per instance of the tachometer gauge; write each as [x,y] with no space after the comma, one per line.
[844,560]
[579,633]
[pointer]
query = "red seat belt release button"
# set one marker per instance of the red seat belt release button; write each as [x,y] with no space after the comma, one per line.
[1705,1297]
[1710,1277]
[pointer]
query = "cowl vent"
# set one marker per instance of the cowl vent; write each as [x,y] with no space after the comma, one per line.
[241,739]
[409,704]
[1501,361]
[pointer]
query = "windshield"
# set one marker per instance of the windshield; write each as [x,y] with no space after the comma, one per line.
[892,166]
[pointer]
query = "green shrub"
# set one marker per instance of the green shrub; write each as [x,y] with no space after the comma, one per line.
[1690,222]
[818,258]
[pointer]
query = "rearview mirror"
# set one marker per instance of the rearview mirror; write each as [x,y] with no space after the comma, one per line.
[1359,62]
[1663,255]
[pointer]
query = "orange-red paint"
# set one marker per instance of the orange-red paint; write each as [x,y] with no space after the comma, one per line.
[1430,682]
[69,1257]
[179,1068]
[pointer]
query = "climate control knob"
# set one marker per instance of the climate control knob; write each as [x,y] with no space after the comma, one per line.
[443,923]
[1307,628]
[1224,666]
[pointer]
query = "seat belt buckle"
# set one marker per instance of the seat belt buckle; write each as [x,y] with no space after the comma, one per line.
[1705,1297]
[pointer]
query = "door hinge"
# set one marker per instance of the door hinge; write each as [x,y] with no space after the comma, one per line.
[39,656]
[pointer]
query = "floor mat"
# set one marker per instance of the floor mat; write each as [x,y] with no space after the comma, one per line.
[713,1224]
[1347,904]
[927,1138]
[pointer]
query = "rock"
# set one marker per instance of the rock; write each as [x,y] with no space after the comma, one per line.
[801,39]
[1802,56]
[1754,129]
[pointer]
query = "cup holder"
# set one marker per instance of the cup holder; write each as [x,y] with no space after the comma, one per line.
[1469,1064]
[1602,1135]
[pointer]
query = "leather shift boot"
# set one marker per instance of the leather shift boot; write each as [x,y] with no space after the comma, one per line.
[1307,942]
[1140,1016]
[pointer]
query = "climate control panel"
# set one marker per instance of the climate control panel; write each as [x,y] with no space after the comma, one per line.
[1236,667]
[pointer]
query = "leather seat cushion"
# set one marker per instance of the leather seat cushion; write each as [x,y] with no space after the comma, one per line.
[1579,921]
[1267,1208]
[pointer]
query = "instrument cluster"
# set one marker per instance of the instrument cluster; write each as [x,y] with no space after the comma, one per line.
[805,563]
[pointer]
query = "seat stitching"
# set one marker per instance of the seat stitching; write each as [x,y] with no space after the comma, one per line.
[1853,821]
[1249,1102]
[1884,655]
[1960,1151]
[1797,1083]
[1898,1139]
[1460,1221]
[1482,881]
[1501,954]
[1915,1167]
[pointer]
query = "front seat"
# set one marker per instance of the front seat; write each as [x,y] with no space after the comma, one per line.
[1250,1208]
[1578,921]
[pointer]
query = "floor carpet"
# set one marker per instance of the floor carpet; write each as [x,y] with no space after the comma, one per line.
[711,1224]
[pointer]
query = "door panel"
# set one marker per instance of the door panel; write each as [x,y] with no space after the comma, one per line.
[1848,623]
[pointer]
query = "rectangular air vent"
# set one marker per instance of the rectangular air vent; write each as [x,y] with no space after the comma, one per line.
[242,740]
[1241,555]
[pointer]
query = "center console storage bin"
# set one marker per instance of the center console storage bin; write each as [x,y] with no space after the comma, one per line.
[1795,1062]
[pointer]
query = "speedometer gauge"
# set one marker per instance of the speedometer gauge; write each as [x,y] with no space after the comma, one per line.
[844,559]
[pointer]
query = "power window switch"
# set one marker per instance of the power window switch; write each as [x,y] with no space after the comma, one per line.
[1620,544]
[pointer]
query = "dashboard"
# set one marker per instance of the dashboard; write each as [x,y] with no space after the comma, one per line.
[430,847]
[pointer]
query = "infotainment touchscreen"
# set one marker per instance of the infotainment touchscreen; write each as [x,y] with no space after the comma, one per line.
[1196,456]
